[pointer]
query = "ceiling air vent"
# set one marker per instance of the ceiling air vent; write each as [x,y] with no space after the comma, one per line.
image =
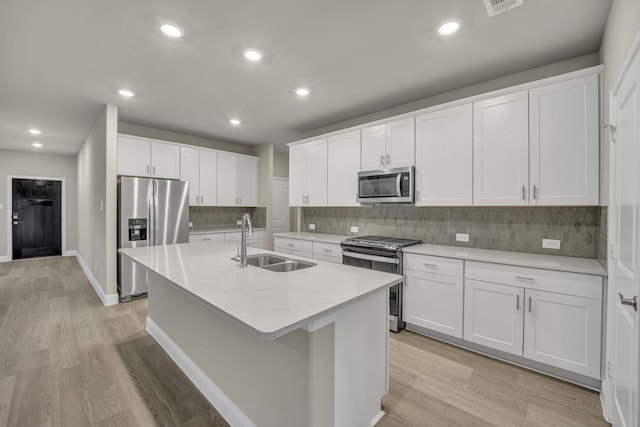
[495,7]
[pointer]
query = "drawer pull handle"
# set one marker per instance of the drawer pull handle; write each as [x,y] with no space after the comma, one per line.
[430,265]
[291,245]
[327,250]
[528,279]
[633,302]
[204,240]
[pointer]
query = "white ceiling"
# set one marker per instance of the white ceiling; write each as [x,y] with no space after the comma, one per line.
[62,60]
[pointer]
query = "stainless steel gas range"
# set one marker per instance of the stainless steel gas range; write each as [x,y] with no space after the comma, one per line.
[381,254]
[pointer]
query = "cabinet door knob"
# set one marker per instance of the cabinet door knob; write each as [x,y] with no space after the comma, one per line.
[535,191]
[530,303]
[388,159]
[382,160]
[524,193]
[147,169]
[518,302]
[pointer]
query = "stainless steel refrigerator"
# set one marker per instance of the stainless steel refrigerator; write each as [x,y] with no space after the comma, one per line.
[150,212]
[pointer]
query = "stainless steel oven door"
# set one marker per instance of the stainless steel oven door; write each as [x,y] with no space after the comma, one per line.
[386,262]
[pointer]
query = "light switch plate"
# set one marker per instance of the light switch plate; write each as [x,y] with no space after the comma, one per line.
[354,228]
[462,237]
[550,244]
[312,226]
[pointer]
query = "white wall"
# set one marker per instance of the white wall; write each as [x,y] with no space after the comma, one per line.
[97,192]
[622,25]
[39,164]
[280,165]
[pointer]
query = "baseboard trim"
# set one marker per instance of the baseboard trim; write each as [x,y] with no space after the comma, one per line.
[231,413]
[377,418]
[107,299]
[71,253]
[4,259]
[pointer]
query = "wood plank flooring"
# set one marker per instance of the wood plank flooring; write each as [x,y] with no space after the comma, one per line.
[66,360]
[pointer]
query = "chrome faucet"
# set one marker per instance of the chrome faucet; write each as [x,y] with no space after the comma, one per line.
[246,220]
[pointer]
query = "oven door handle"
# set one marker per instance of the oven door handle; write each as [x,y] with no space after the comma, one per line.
[370,257]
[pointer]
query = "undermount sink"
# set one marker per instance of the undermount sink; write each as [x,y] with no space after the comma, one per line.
[277,263]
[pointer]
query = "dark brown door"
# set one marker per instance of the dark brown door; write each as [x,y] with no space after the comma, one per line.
[36,217]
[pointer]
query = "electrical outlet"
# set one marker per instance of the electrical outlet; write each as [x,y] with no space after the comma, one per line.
[101,206]
[312,226]
[462,237]
[190,224]
[239,222]
[550,244]
[354,228]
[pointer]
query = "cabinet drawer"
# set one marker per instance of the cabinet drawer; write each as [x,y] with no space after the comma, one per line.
[211,237]
[294,244]
[322,257]
[584,285]
[236,236]
[434,264]
[327,249]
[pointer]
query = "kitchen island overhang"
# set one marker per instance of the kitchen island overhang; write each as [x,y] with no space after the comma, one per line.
[308,347]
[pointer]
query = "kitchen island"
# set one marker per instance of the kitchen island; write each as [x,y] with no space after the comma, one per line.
[299,348]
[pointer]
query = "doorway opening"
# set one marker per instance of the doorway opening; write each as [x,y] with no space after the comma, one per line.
[36,218]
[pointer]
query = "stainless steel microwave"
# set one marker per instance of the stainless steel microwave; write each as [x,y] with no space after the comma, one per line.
[386,186]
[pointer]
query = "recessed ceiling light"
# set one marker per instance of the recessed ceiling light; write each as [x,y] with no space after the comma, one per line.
[252,54]
[37,144]
[234,122]
[448,28]
[35,131]
[126,92]
[302,91]
[172,30]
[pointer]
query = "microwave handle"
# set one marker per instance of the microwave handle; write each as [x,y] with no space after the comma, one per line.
[398,177]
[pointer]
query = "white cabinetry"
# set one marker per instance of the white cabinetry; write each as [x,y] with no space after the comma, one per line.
[390,145]
[444,156]
[564,143]
[206,237]
[343,165]
[303,248]
[327,252]
[433,290]
[255,240]
[548,316]
[145,157]
[501,150]
[237,180]
[199,168]
[308,174]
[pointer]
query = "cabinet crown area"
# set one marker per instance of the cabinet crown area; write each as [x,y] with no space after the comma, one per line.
[215,177]
[534,144]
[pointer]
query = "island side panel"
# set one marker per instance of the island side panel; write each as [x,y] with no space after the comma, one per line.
[267,381]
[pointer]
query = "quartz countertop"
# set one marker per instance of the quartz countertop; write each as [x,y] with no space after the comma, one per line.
[268,304]
[548,262]
[220,230]
[314,237]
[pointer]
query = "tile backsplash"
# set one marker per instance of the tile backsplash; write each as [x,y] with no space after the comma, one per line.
[211,217]
[519,229]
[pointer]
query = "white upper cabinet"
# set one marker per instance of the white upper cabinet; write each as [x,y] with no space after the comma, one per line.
[199,168]
[145,157]
[501,150]
[343,160]
[564,143]
[308,174]
[390,145]
[237,180]
[444,156]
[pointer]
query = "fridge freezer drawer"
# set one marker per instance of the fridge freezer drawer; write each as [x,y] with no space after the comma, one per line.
[132,279]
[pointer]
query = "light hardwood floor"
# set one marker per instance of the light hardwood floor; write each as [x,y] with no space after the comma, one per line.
[65,360]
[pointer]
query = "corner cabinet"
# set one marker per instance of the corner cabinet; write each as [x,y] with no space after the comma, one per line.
[390,145]
[444,157]
[199,168]
[147,157]
[343,158]
[237,182]
[308,174]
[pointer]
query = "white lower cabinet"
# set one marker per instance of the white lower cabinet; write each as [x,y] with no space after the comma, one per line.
[207,237]
[563,331]
[551,317]
[493,315]
[303,248]
[433,291]
[327,252]
[255,240]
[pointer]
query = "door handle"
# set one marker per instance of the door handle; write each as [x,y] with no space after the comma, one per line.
[633,302]
[17,222]
[388,159]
